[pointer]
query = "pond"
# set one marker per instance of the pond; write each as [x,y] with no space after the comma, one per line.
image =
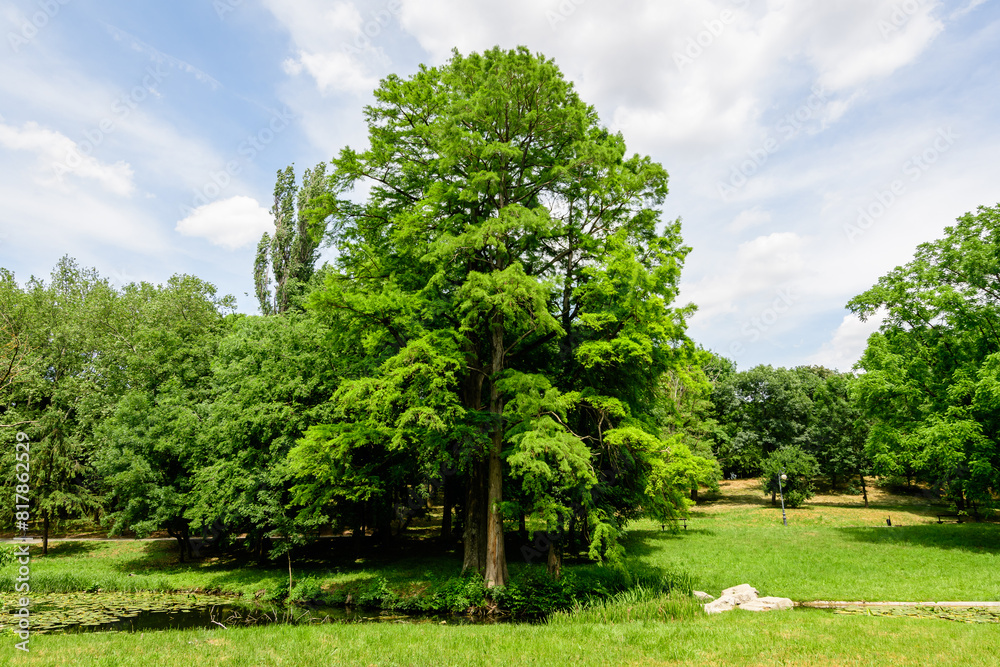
[134,612]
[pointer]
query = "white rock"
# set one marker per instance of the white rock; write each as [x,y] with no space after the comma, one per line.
[725,603]
[702,595]
[767,604]
[742,593]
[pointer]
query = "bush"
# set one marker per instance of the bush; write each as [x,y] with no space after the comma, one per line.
[376,594]
[8,555]
[800,469]
[306,590]
[534,593]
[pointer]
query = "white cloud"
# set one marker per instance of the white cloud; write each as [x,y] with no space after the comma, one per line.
[695,76]
[334,43]
[959,13]
[750,217]
[762,267]
[334,72]
[231,223]
[847,343]
[59,155]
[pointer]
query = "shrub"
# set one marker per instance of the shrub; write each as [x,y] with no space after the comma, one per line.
[307,589]
[800,469]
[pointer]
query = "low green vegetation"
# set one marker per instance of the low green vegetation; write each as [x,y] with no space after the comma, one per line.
[739,638]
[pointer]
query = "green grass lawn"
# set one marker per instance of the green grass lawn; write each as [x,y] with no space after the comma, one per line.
[800,637]
[834,549]
[913,563]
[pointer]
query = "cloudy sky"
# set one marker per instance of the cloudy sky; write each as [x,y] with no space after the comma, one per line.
[811,144]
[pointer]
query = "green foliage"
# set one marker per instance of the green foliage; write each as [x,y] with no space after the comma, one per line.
[765,409]
[459,594]
[307,589]
[510,292]
[288,257]
[799,469]
[535,593]
[8,555]
[931,372]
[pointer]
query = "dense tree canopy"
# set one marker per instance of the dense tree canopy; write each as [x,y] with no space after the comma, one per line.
[511,283]
[931,385]
[810,409]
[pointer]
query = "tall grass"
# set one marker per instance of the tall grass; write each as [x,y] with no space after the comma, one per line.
[637,604]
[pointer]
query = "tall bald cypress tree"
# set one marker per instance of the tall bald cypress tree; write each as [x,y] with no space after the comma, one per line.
[510,281]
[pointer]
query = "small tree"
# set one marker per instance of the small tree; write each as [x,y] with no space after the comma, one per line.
[799,468]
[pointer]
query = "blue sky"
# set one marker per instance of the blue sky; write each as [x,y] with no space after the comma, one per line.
[811,145]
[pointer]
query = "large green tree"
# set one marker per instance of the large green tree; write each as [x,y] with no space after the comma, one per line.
[931,386]
[150,446]
[511,282]
[66,346]
[271,378]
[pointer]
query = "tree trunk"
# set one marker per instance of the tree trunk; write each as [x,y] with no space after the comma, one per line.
[554,563]
[474,537]
[448,492]
[474,517]
[45,533]
[496,558]
[864,489]
[774,497]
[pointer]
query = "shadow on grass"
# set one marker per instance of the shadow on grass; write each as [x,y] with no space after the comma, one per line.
[976,538]
[69,549]
[640,543]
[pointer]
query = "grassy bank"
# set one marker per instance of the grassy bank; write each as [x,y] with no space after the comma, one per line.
[738,638]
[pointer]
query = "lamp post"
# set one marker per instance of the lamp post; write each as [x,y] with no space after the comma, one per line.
[781,492]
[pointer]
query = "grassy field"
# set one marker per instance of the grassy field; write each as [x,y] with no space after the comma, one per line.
[833,548]
[800,637]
